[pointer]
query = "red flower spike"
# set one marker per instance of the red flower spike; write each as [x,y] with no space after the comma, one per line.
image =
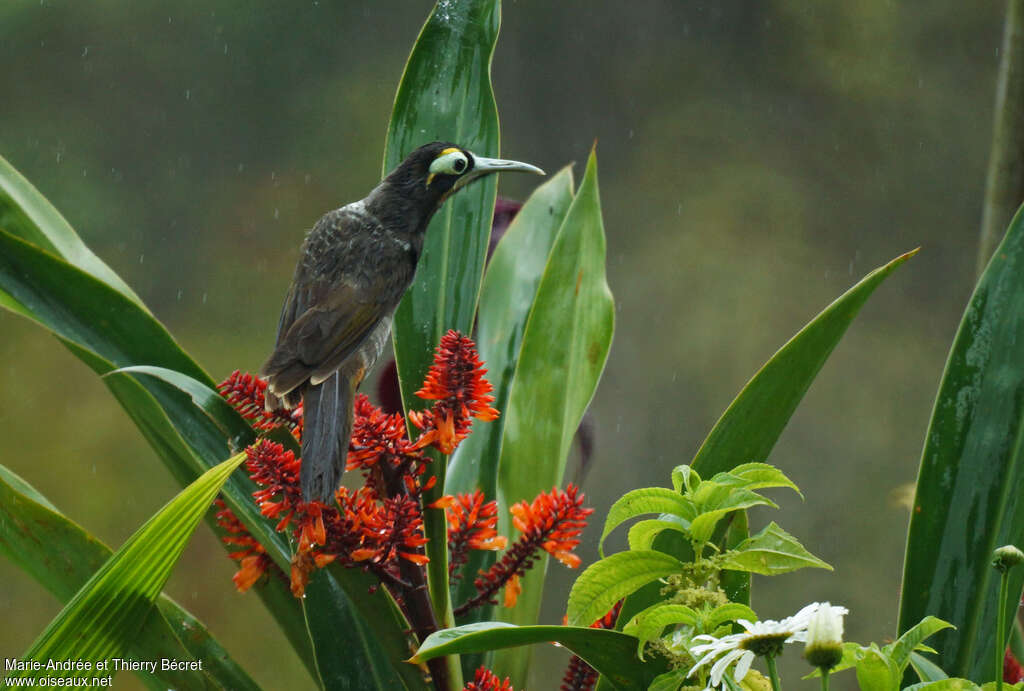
[456,381]
[253,559]
[471,525]
[579,676]
[246,394]
[551,523]
[486,680]
[1013,671]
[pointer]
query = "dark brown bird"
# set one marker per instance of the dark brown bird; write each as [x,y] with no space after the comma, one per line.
[356,264]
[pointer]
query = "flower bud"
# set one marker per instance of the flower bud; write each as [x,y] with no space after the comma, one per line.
[1006,557]
[824,646]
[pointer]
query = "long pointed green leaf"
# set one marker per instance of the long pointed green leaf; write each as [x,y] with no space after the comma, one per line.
[751,425]
[445,94]
[969,498]
[564,349]
[101,621]
[612,653]
[62,557]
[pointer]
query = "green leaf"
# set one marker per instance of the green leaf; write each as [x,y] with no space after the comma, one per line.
[875,671]
[726,613]
[968,499]
[26,213]
[900,650]
[611,653]
[926,669]
[639,502]
[715,501]
[756,476]
[772,551]
[649,624]
[607,581]
[445,94]
[232,425]
[955,684]
[61,557]
[103,619]
[564,350]
[752,424]
[670,681]
[685,479]
[643,534]
[509,288]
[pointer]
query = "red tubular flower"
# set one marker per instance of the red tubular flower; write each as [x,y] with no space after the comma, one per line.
[246,393]
[456,381]
[471,525]
[551,523]
[579,676]
[380,445]
[253,559]
[486,680]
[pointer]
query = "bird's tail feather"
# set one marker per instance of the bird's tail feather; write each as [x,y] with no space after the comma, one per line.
[326,428]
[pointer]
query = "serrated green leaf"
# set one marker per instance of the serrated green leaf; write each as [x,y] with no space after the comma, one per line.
[899,651]
[611,653]
[607,581]
[685,479]
[968,499]
[925,669]
[726,613]
[642,534]
[748,430]
[102,620]
[649,624]
[756,476]
[772,551]
[639,502]
[715,501]
[669,681]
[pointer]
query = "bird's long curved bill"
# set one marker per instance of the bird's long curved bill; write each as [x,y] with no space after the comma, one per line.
[485,166]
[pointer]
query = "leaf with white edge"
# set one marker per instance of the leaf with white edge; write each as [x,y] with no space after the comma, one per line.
[643,534]
[639,502]
[772,551]
[926,669]
[685,479]
[649,624]
[902,647]
[102,620]
[611,653]
[606,582]
[757,476]
[717,502]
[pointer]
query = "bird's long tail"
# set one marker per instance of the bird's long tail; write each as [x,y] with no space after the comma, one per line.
[326,428]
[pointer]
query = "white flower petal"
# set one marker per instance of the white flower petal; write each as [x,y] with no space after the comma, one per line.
[743,666]
[718,670]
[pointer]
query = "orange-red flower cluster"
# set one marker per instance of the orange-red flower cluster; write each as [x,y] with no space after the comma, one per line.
[472,524]
[486,680]
[381,449]
[1013,671]
[456,381]
[552,522]
[246,393]
[253,559]
[579,676]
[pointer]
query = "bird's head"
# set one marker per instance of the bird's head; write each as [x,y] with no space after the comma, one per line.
[435,171]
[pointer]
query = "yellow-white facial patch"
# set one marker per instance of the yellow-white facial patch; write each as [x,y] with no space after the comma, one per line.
[450,161]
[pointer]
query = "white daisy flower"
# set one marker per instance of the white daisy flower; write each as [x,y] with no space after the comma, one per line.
[760,638]
[825,636]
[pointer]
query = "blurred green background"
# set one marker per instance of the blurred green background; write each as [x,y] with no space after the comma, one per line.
[756,158]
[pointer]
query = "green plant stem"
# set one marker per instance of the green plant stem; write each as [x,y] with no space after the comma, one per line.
[824,679]
[1004,593]
[773,673]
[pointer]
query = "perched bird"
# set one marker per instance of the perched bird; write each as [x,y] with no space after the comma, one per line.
[356,264]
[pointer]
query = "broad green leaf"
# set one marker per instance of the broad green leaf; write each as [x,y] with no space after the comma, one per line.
[509,288]
[748,430]
[611,653]
[955,684]
[685,479]
[564,349]
[445,94]
[900,650]
[649,624]
[228,421]
[715,501]
[772,551]
[968,499]
[875,671]
[726,613]
[607,581]
[62,557]
[103,619]
[639,502]
[926,669]
[26,213]
[643,533]
[757,476]
[669,681]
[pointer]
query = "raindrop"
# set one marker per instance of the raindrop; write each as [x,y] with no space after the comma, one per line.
[241,167]
[60,156]
[188,94]
[141,258]
[277,214]
[630,134]
[204,298]
[180,291]
[85,51]
[225,49]
[93,468]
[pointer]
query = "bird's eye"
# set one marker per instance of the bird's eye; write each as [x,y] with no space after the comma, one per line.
[451,162]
